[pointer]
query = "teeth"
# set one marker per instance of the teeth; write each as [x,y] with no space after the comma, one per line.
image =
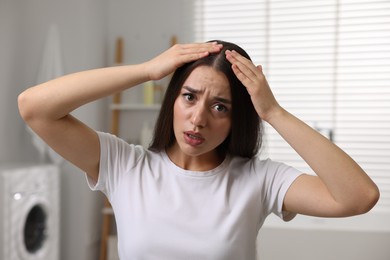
[194,136]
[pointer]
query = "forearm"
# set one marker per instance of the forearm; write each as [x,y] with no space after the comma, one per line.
[343,177]
[57,98]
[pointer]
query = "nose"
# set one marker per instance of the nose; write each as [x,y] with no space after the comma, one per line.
[199,116]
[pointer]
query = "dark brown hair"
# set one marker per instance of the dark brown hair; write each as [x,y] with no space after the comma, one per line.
[245,135]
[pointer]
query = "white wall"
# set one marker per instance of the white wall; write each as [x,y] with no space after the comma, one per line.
[10,80]
[83,31]
[148,25]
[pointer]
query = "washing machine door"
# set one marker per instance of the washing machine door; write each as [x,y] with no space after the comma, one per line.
[35,229]
[33,241]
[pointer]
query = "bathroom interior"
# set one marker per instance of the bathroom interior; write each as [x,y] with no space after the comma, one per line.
[348,102]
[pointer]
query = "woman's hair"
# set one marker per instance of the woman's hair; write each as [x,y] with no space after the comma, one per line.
[245,136]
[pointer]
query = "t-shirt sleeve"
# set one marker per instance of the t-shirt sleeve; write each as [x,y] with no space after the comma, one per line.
[116,159]
[277,179]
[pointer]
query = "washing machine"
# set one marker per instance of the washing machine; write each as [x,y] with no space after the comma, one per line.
[29,212]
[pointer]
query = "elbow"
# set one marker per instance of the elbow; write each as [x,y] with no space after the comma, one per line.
[367,200]
[372,197]
[25,107]
[22,105]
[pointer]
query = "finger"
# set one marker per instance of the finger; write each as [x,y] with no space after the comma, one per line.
[191,52]
[242,61]
[193,56]
[238,73]
[244,71]
[246,81]
[210,47]
[245,66]
[201,45]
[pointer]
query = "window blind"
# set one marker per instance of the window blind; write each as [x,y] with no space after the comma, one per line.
[327,62]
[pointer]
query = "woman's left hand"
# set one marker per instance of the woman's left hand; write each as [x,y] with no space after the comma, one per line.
[253,79]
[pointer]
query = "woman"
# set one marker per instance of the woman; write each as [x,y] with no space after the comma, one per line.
[199,192]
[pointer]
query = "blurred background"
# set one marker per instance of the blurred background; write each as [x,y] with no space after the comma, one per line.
[328,62]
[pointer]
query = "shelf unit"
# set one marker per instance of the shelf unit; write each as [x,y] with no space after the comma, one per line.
[108,213]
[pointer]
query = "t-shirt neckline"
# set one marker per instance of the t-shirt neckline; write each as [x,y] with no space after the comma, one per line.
[198,174]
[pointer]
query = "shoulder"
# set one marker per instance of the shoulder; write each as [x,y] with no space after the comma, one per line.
[119,159]
[254,163]
[117,154]
[112,143]
[262,168]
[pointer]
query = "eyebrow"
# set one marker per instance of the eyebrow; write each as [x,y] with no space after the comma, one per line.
[196,91]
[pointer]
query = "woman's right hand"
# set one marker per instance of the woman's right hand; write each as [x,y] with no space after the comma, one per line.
[176,56]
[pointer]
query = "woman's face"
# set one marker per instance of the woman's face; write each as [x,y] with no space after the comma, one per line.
[202,112]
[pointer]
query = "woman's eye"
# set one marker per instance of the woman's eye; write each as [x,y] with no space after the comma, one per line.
[188,96]
[220,108]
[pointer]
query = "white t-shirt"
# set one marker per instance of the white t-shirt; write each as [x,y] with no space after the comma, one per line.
[165,212]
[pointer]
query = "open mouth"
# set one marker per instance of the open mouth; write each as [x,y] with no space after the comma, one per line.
[194,136]
[193,139]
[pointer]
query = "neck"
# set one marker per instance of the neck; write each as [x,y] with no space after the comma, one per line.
[203,162]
